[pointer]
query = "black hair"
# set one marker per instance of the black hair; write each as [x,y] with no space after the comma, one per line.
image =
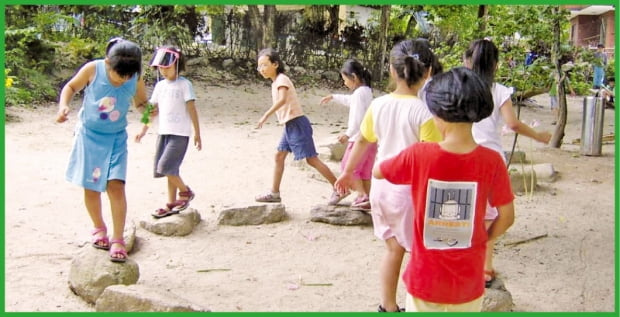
[459,95]
[125,58]
[484,56]
[274,57]
[111,43]
[411,59]
[180,61]
[600,45]
[352,67]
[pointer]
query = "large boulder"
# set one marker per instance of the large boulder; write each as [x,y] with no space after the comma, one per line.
[91,271]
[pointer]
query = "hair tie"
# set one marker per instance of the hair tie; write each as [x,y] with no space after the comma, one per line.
[415,56]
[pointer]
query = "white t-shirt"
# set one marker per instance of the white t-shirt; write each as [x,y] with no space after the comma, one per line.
[358,102]
[171,97]
[396,122]
[487,131]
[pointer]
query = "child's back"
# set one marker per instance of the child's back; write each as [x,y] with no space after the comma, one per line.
[451,183]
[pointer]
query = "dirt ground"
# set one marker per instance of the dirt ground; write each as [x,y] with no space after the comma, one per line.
[270,267]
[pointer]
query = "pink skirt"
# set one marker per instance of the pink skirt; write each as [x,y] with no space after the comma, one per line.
[363,170]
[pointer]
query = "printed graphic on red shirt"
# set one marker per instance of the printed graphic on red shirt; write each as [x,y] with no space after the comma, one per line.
[449,214]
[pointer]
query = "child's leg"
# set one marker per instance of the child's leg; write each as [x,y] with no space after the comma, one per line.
[176,183]
[92,201]
[489,274]
[118,204]
[321,168]
[278,171]
[366,184]
[389,274]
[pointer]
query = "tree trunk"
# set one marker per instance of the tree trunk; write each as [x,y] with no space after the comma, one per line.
[269,26]
[255,24]
[558,134]
[382,47]
[483,11]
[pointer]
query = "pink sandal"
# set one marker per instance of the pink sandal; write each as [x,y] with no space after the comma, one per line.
[102,243]
[116,251]
[182,204]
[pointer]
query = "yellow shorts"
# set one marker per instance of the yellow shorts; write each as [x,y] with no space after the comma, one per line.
[413,304]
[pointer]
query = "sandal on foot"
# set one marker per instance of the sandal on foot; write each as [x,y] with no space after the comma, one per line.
[118,254]
[398,310]
[268,198]
[487,274]
[163,212]
[182,204]
[336,198]
[361,204]
[103,242]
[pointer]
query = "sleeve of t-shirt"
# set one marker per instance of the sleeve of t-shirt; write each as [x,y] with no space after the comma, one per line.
[399,169]
[282,81]
[503,94]
[429,131]
[188,93]
[501,190]
[367,126]
[342,99]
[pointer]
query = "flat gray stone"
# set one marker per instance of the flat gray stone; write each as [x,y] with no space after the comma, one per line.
[141,298]
[522,179]
[339,215]
[252,215]
[180,224]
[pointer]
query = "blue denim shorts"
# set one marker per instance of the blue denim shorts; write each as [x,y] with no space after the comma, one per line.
[297,138]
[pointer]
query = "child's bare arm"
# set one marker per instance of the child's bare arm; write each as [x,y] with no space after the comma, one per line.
[193,114]
[279,102]
[73,86]
[142,133]
[505,219]
[140,99]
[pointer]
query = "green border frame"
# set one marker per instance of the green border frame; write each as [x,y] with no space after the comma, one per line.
[314,2]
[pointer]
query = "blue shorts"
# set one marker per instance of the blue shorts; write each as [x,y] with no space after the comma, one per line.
[297,138]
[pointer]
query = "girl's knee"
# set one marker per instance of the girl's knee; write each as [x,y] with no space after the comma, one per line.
[116,186]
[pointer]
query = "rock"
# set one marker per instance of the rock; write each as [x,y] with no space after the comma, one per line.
[92,271]
[518,157]
[228,63]
[331,75]
[252,215]
[497,298]
[339,215]
[522,179]
[141,298]
[545,172]
[335,148]
[299,70]
[180,224]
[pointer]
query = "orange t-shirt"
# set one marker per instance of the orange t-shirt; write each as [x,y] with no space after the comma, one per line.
[291,108]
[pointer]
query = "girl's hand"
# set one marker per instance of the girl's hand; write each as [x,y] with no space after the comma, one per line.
[544,137]
[326,99]
[343,183]
[197,142]
[63,113]
[139,137]
[261,122]
[343,139]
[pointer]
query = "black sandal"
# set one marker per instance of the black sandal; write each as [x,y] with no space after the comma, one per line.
[382,310]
